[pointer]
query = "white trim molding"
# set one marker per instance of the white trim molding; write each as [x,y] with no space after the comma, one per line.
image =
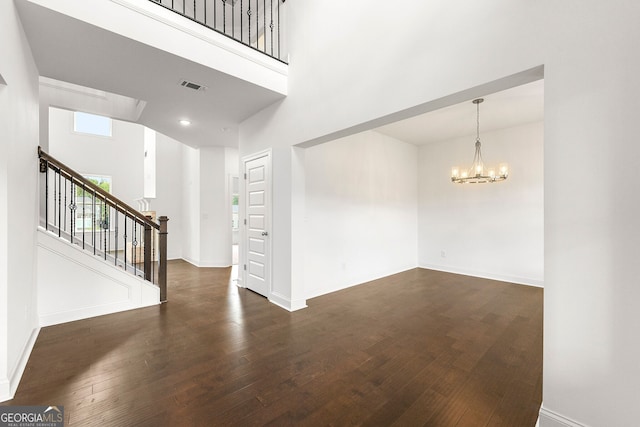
[549,418]
[500,277]
[9,386]
[286,303]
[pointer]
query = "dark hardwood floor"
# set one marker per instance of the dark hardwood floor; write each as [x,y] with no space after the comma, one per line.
[416,348]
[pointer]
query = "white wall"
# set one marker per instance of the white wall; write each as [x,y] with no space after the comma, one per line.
[361,211]
[489,230]
[168,201]
[120,156]
[434,54]
[207,204]
[191,204]
[215,209]
[18,200]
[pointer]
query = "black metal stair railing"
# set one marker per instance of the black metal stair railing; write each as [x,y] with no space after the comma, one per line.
[255,23]
[77,210]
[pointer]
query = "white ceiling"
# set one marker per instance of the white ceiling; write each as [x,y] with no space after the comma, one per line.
[73,51]
[508,108]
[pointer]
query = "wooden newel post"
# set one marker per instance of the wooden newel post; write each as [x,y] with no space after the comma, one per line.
[148,248]
[162,271]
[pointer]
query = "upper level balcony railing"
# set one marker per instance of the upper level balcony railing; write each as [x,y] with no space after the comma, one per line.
[255,23]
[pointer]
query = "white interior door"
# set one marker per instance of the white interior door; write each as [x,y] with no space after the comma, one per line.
[258,257]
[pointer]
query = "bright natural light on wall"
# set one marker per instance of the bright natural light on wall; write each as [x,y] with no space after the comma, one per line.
[91,124]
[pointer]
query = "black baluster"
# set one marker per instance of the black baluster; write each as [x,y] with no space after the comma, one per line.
[278,29]
[100,225]
[107,231]
[115,236]
[46,199]
[65,205]
[93,222]
[84,223]
[72,208]
[233,19]
[271,24]
[134,243]
[249,26]
[224,16]
[59,203]
[125,242]
[241,22]
[264,24]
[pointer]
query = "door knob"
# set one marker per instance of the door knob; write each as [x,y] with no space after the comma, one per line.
[264,233]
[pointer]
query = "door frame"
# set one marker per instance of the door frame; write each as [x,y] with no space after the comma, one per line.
[244,243]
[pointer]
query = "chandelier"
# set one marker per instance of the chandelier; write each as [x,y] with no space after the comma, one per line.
[476,173]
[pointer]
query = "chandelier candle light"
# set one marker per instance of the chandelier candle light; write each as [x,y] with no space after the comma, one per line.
[476,173]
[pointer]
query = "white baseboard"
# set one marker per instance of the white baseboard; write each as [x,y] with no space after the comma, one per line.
[213,264]
[286,303]
[548,418]
[88,312]
[500,277]
[357,281]
[8,387]
[5,390]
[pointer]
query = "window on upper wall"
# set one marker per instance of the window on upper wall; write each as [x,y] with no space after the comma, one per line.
[92,124]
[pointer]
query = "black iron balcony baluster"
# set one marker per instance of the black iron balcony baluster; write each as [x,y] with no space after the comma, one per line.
[255,14]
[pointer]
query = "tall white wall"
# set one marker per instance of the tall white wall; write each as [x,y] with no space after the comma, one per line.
[120,156]
[168,201]
[369,69]
[215,209]
[19,135]
[490,230]
[191,204]
[206,202]
[361,211]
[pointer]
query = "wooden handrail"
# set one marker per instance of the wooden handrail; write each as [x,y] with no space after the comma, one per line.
[112,200]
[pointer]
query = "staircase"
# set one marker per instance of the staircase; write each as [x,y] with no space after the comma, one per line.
[96,254]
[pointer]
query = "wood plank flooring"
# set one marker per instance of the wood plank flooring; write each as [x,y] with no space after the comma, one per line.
[416,348]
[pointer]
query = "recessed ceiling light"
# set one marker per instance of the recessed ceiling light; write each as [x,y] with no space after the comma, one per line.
[185,122]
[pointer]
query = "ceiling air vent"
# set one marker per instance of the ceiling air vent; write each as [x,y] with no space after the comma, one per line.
[192,85]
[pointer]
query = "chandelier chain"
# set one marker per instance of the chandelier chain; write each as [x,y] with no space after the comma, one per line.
[477,121]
